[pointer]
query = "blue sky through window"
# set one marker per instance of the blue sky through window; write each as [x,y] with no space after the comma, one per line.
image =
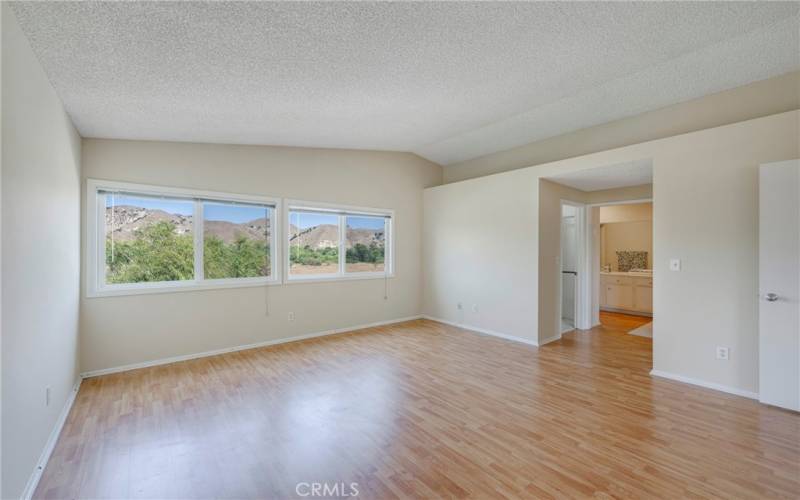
[304,220]
[211,211]
[374,223]
[233,213]
[182,207]
[241,213]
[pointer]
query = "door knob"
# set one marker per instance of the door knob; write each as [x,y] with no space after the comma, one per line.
[771,297]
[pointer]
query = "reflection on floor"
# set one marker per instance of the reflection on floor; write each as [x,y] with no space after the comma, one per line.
[623,322]
[641,326]
[645,330]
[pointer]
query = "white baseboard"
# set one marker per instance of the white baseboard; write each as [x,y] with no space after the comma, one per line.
[185,357]
[703,383]
[550,339]
[483,331]
[626,311]
[50,445]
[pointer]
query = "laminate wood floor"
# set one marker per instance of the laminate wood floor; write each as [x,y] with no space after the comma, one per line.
[623,322]
[421,409]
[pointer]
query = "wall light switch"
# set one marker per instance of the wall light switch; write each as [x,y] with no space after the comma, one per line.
[674,264]
[291,316]
[459,306]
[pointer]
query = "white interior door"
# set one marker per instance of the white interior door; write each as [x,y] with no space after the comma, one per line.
[569,263]
[779,284]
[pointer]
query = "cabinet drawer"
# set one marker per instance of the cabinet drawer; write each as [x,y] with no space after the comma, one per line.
[617,280]
[643,281]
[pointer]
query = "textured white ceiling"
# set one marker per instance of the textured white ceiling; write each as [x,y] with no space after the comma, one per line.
[449,81]
[633,173]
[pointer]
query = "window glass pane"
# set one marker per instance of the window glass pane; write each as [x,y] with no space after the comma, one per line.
[365,244]
[236,240]
[148,239]
[313,243]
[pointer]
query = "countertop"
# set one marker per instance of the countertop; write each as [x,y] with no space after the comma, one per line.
[629,274]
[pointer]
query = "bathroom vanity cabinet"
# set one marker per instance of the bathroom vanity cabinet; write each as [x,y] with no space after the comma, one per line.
[626,292]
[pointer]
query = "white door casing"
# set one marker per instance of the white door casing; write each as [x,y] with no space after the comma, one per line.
[583,295]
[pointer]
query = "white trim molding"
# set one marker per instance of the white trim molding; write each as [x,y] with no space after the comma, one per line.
[591,241]
[550,339]
[50,445]
[582,310]
[621,202]
[483,331]
[256,345]
[703,383]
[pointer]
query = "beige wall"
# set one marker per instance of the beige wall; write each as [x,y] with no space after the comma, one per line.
[479,248]
[549,243]
[118,331]
[633,212]
[705,213]
[641,192]
[620,236]
[40,258]
[626,227]
[764,98]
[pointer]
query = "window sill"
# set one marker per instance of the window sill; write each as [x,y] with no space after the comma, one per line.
[330,278]
[222,285]
[183,287]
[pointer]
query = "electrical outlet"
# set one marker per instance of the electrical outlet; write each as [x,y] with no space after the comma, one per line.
[722,353]
[474,308]
[47,396]
[291,316]
[459,306]
[674,264]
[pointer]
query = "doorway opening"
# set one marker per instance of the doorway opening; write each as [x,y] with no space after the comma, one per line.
[602,280]
[623,255]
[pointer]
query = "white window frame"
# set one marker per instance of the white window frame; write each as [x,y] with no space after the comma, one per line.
[343,211]
[95,241]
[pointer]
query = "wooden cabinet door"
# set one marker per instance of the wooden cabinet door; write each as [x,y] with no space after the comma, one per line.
[603,287]
[619,296]
[643,298]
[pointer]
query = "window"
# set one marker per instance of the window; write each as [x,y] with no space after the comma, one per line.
[330,242]
[148,239]
[366,244]
[145,239]
[313,244]
[236,240]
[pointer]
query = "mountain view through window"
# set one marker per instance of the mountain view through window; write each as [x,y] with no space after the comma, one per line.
[152,239]
[313,243]
[365,244]
[235,240]
[148,239]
